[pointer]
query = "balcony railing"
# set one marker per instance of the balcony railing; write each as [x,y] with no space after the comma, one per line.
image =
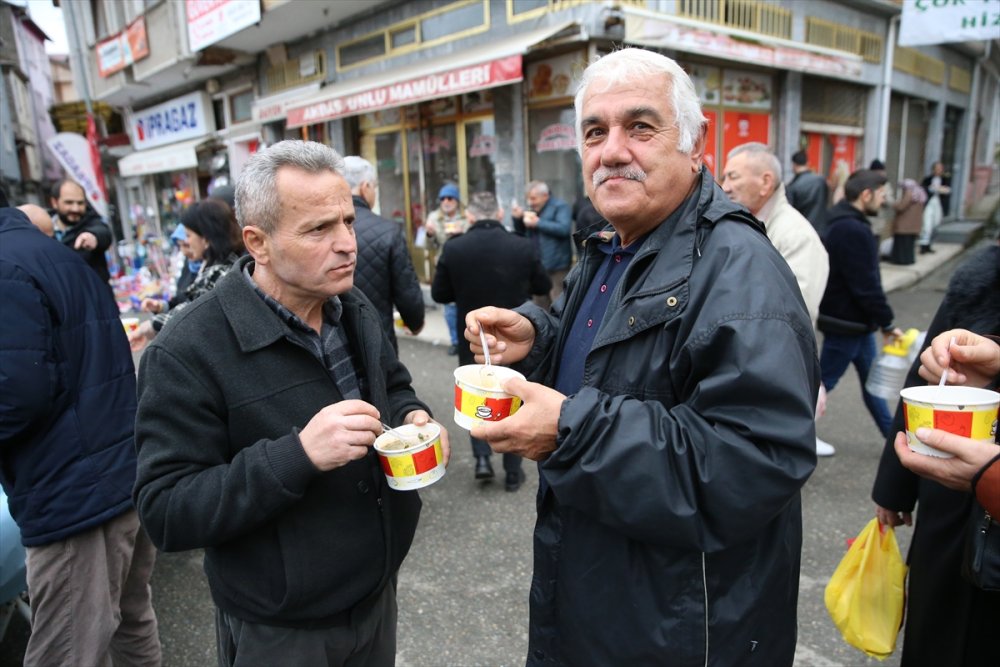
[912,61]
[868,45]
[751,15]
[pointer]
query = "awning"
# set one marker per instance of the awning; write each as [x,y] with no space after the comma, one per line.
[677,33]
[274,107]
[496,64]
[172,157]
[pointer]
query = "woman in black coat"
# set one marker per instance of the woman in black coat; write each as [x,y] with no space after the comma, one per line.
[948,621]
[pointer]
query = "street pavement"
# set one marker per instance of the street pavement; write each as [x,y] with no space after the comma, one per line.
[463,588]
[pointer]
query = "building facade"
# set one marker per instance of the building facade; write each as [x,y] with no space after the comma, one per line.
[479,92]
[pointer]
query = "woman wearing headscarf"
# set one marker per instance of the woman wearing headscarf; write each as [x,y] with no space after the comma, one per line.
[906,225]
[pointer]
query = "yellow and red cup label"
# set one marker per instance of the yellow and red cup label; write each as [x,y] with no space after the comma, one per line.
[479,397]
[416,466]
[966,411]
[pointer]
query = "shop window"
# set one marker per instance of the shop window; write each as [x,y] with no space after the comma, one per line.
[832,102]
[366,49]
[553,152]
[453,21]
[456,20]
[405,36]
[240,106]
[219,112]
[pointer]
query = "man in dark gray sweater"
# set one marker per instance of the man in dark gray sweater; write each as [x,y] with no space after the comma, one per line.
[258,406]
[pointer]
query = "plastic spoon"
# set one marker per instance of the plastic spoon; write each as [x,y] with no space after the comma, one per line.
[407,440]
[944,375]
[482,339]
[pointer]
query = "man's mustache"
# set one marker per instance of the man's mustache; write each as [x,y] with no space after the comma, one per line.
[631,173]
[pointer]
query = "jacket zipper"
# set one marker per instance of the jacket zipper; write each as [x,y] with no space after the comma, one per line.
[704,585]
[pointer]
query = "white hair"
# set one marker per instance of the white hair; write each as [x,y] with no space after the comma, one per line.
[763,157]
[633,65]
[358,170]
[257,201]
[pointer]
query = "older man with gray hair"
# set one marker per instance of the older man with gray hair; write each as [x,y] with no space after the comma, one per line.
[752,177]
[669,402]
[385,271]
[282,379]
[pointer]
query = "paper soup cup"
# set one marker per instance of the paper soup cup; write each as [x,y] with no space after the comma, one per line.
[967,411]
[415,466]
[130,324]
[478,396]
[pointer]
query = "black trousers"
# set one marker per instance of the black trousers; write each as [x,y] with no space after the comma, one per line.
[368,639]
[511,462]
[903,249]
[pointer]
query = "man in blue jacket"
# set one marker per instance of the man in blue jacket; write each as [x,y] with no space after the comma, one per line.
[669,403]
[549,223]
[854,304]
[67,459]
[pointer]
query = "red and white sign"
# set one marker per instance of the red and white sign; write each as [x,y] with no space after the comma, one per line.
[210,21]
[741,127]
[556,137]
[119,51]
[709,43]
[431,86]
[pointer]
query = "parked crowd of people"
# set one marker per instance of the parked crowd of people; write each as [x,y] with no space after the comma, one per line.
[671,456]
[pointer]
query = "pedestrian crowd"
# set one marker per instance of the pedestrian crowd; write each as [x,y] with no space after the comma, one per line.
[671,456]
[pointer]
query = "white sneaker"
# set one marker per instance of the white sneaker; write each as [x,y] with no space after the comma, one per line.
[824,448]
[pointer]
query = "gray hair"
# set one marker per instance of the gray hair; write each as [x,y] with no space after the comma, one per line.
[762,156]
[483,206]
[537,186]
[633,65]
[358,170]
[257,201]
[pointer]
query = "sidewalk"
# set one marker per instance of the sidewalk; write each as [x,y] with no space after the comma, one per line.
[435,331]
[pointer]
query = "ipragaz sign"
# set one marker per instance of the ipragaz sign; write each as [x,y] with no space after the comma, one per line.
[181,118]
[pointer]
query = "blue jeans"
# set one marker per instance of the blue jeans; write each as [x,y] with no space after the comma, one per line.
[840,351]
[451,319]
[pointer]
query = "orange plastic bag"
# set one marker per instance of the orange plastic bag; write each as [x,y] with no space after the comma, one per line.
[865,595]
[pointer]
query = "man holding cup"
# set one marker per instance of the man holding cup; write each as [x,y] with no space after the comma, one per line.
[282,376]
[669,403]
[549,223]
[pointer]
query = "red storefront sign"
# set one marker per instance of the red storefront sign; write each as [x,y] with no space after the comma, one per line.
[741,127]
[409,91]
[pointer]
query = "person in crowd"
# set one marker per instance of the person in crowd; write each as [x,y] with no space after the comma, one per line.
[882,219]
[937,185]
[854,304]
[443,223]
[39,217]
[78,226]
[752,177]
[283,378]
[67,458]
[808,192]
[671,455]
[189,270]
[488,266]
[948,620]
[906,224]
[226,193]
[548,222]
[385,271]
[586,221]
[213,238]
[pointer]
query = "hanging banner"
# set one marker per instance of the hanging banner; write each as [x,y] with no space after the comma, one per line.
[119,51]
[73,152]
[945,21]
[210,21]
